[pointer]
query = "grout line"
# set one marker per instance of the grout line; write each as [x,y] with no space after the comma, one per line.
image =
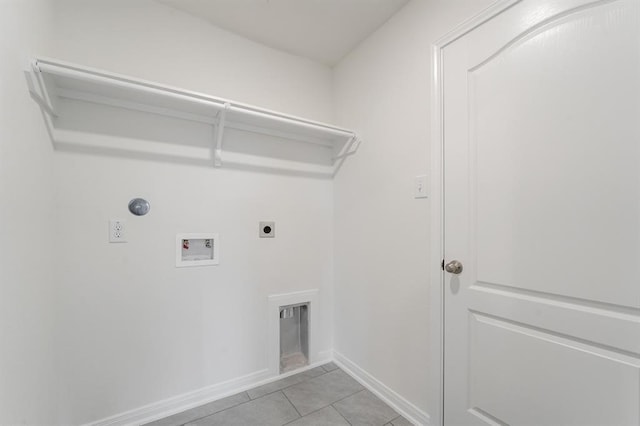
[338,411]
[342,399]
[335,367]
[286,387]
[330,405]
[348,396]
[294,407]
[212,414]
[309,413]
[321,367]
[394,419]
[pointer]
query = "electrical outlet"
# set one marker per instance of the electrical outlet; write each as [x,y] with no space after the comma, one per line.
[267,230]
[117,231]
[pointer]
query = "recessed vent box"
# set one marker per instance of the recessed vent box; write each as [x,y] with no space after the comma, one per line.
[294,337]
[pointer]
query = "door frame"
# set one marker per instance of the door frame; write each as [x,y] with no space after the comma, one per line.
[436,294]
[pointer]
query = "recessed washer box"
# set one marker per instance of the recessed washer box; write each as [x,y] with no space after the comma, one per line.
[200,249]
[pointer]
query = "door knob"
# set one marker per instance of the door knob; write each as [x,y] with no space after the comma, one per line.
[453,267]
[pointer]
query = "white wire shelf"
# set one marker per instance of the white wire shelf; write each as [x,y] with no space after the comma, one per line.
[57,86]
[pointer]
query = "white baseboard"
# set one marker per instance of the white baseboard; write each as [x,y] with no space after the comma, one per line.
[177,404]
[382,391]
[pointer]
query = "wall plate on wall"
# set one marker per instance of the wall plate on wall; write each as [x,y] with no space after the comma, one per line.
[267,230]
[117,231]
[421,186]
[201,249]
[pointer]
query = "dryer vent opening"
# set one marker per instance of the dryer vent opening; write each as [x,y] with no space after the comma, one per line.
[294,337]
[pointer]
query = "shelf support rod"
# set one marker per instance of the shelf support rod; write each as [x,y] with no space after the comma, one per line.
[219,134]
[290,120]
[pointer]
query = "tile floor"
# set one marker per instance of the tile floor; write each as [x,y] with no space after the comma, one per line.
[323,396]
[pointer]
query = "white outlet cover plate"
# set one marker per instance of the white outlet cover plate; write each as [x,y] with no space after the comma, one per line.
[117,231]
[421,186]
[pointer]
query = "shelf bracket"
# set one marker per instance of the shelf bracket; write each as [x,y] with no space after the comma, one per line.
[219,134]
[349,148]
[36,88]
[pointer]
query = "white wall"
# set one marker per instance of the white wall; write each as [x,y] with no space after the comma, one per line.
[381,248]
[148,40]
[115,327]
[132,329]
[27,382]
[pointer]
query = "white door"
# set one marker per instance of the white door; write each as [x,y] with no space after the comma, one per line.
[542,209]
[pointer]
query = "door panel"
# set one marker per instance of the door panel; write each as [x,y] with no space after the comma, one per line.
[504,384]
[542,206]
[549,159]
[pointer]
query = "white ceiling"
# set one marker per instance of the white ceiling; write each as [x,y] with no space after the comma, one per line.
[322,30]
